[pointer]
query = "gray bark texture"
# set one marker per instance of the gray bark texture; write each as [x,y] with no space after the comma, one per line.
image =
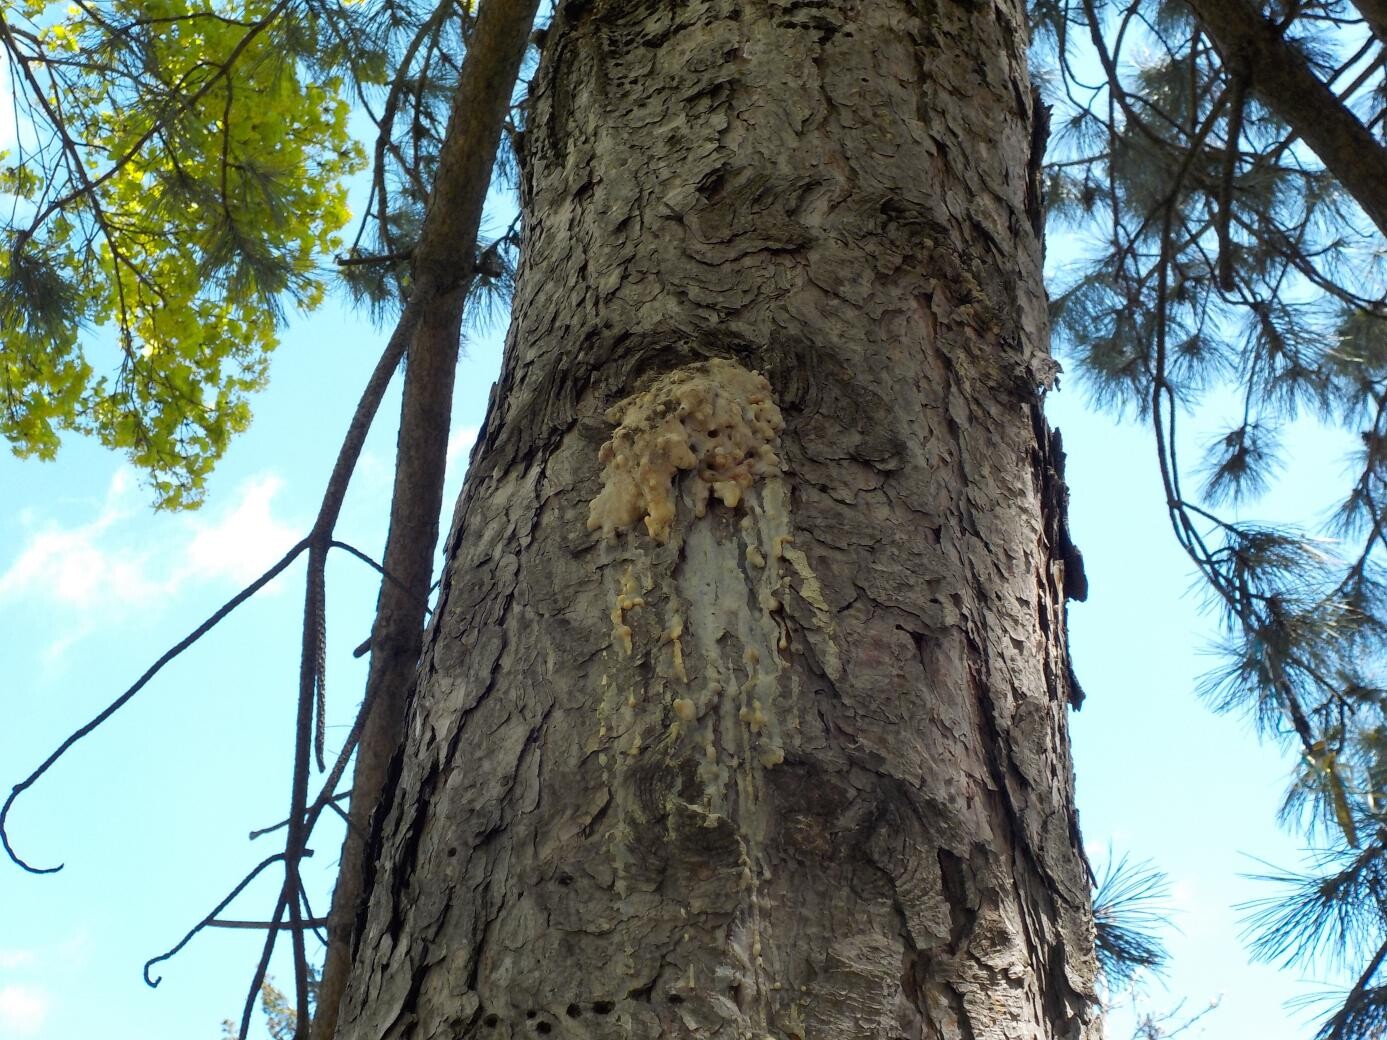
[743,714]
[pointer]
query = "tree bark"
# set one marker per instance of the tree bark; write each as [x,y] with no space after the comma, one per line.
[443,269]
[744,709]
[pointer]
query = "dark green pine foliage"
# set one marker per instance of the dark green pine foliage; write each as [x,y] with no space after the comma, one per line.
[1222,258]
[421,46]
[1130,910]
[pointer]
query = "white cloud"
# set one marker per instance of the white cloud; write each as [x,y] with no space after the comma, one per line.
[248,538]
[11,959]
[76,949]
[74,567]
[461,441]
[126,557]
[22,1009]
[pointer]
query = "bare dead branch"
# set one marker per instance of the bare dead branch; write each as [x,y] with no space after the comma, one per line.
[262,925]
[258,978]
[260,833]
[208,920]
[153,670]
[364,558]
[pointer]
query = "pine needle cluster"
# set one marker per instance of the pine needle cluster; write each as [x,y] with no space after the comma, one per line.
[1222,255]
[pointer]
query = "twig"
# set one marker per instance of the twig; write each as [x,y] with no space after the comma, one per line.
[209,919]
[258,979]
[354,551]
[311,920]
[347,819]
[366,259]
[284,823]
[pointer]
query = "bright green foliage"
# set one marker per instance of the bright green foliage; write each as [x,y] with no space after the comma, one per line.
[180,181]
[281,1020]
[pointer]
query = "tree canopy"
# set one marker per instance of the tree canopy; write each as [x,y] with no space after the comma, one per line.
[179,179]
[1233,247]
[179,183]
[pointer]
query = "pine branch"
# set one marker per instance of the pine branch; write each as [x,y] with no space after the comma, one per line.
[1129,909]
[1279,73]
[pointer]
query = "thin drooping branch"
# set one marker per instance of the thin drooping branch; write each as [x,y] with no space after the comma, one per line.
[263,966]
[295,845]
[209,919]
[139,684]
[327,798]
[313,651]
[1280,75]
[444,266]
[352,550]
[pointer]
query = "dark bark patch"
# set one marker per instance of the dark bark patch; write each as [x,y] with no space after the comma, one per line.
[962,898]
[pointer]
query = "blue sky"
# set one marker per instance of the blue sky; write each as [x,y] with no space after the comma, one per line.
[151,813]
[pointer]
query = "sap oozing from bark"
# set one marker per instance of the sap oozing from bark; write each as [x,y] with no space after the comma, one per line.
[771,743]
[714,419]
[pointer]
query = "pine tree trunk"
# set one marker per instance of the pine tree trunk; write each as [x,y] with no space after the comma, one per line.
[744,709]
